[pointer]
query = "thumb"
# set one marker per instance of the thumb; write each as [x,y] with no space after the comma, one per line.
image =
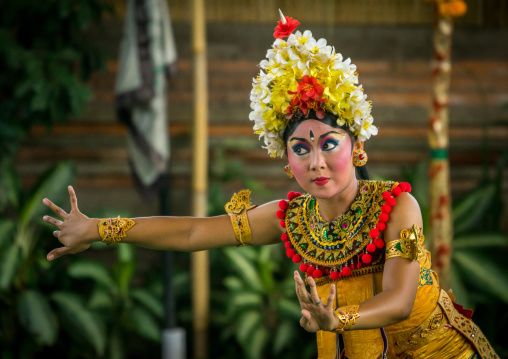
[57,253]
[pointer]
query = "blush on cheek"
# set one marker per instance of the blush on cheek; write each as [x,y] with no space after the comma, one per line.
[297,168]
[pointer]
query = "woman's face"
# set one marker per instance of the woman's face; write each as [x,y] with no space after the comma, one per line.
[320,158]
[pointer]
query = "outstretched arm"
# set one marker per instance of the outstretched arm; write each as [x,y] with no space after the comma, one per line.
[400,283]
[76,231]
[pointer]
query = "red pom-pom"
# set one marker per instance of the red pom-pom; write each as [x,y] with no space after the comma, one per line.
[310,270]
[281,214]
[282,223]
[386,195]
[383,218]
[379,243]
[366,258]
[297,258]
[374,233]
[284,237]
[283,205]
[359,265]
[371,247]
[386,208]
[326,271]
[408,187]
[288,245]
[381,226]
[391,201]
[345,271]
[303,267]
[334,275]
[292,195]
[317,273]
[290,253]
[396,191]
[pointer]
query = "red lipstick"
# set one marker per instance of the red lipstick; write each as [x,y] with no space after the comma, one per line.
[321,181]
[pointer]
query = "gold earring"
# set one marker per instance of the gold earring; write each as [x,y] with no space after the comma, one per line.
[359,158]
[288,171]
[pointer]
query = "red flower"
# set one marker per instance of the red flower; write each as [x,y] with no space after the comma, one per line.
[284,30]
[307,96]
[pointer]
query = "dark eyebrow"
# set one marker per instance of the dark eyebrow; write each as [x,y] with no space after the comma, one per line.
[299,139]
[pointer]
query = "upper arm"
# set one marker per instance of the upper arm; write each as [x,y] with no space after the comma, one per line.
[214,232]
[401,274]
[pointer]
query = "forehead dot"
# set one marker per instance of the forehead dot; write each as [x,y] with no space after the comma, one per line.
[311,135]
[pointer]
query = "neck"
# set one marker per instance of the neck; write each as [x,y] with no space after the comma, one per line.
[331,208]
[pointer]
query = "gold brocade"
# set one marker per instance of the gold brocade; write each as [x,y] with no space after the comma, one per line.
[112,230]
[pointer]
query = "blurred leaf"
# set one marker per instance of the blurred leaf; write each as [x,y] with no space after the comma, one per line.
[36,316]
[7,228]
[53,185]
[150,302]
[289,309]
[284,334]
[92,270]
[471,209]
[482,270]
[125,252]
[116,346]
[246,322]
[480,241]
[257,343]
[9,263]
[459,290]
[145,324]
[10,184]
[100,299]
[123,273]
[233,283]
[244,299]
[244,268]
[81,320]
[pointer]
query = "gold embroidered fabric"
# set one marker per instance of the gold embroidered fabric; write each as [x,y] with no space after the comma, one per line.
[112,230]
[237,209]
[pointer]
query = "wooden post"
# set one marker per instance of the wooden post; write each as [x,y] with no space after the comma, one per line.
[441,226]
[199,260]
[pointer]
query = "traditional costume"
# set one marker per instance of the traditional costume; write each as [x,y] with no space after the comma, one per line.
[300,75]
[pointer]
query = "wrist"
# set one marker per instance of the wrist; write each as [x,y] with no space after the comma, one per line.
[93,231]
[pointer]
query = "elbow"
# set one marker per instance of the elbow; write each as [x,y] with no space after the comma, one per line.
[402,312]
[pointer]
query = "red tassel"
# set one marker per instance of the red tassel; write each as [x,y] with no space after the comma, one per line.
[290,252]
[303,267]
[391,201]
[396,191]
[290,195]
[408,189]
[370,247]
[379,243]
[334,275]
[297,258]
[283,205]
[346,271]
[402,186]
[386,195]
[381,226]
[282,223]
[374,233]
[386,208]
[288,245]
[310,270]
[317,273]
[383,218]
[284,237]
[366,258]
[280,214]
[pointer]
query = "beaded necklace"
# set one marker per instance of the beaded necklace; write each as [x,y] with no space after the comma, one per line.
[350,245]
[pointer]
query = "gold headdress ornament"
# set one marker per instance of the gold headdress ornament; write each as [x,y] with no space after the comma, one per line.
[301,74]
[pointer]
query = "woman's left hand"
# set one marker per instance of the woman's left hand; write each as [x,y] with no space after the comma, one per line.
[316,314]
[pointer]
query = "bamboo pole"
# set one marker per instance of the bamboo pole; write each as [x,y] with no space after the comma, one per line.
[199,260]
[441,229]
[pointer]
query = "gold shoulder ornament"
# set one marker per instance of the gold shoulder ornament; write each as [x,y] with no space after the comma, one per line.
[410,245]
[237,209]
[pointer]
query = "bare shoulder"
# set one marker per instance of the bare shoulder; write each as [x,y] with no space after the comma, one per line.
[404,215]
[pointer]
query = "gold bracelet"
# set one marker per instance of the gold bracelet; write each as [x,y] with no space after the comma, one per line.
[237,209]
[347,317]
[112,230]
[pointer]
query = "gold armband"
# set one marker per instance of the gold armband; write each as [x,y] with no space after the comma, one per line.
[347,317]
[112,230]
[410,245]
[237,209]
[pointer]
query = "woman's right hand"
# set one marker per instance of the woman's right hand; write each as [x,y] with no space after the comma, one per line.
[75,231]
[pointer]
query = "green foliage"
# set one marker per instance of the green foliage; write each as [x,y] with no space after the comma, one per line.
[261,306]
[44,60]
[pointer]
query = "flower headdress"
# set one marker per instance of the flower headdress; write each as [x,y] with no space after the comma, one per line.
[302,74]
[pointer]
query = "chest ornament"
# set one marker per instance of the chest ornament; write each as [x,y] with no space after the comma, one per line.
[350,245]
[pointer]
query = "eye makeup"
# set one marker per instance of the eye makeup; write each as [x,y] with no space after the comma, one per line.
[332,138]
[299,147]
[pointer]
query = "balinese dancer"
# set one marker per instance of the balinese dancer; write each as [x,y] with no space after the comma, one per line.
[359,243]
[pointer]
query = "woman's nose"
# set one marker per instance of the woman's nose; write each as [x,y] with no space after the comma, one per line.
[318,161]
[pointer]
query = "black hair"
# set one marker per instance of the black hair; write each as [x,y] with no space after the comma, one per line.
[330,120]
